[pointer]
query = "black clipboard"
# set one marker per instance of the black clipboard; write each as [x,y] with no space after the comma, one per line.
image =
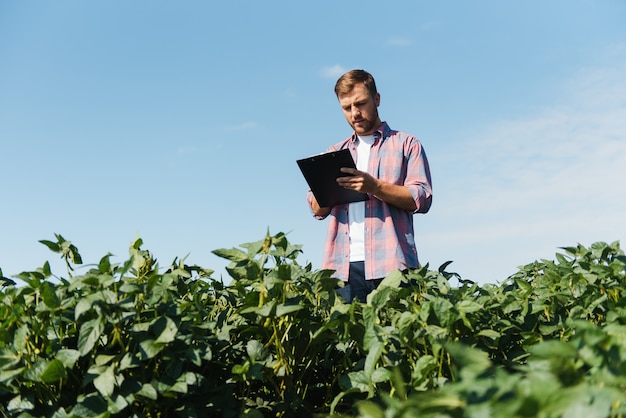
[321,172]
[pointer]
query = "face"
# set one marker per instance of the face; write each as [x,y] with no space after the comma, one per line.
[361,110]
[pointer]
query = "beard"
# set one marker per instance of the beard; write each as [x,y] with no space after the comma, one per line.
[366,126]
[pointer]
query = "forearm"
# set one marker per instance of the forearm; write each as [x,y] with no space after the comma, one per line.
[396,195]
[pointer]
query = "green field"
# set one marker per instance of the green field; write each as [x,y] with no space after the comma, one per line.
[140,339]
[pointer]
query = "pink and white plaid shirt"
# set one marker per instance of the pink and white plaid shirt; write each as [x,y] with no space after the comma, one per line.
[397,158]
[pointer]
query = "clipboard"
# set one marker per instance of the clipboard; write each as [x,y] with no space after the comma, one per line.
[321,172]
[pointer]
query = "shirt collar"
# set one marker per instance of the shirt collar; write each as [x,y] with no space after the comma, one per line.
[380,133]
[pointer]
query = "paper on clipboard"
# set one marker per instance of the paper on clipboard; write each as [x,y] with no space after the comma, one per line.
[321,172]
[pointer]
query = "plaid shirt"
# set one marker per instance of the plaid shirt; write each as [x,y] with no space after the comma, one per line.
[398,158]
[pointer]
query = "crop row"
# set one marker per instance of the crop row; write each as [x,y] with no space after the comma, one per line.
[134,339]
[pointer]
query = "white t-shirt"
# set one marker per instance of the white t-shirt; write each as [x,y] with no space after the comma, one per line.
[356,210]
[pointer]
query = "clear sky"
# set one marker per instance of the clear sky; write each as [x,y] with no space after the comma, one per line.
[180,122]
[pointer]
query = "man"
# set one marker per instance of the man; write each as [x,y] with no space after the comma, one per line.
[367,240]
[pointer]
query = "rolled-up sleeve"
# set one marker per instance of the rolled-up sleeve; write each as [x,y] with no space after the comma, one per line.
[418,179]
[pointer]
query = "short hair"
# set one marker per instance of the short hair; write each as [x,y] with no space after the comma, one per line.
[346,82]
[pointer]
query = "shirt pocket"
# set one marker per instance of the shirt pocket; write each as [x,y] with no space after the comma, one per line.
[391,166]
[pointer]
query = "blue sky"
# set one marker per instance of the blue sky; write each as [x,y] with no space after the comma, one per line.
[180,123]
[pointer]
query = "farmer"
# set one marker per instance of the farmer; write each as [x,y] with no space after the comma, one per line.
[367,240]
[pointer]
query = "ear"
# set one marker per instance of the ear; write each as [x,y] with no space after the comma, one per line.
[377,99]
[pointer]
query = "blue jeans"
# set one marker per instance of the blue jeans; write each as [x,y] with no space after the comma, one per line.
[357,287]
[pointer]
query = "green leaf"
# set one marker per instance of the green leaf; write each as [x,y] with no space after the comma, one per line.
[233,254]
[257,247]
[393,279]
[164,329]
[178,387]
[105,382]
[468,306]
[381,374]
[195,356]
[116,405]
[141,326]
[370,410]
[68,357]
[82,306]
[20,338]
[74,255]
[379,297]
[284,309]
[51,245]
[36,369]
[443,284]
[256,350]
[583,401]
[104,359]
[21,403]
[50,298]
[150,348]
[240,368]
[129,361]
[47,272]
[148,391]
[54,372]
[471,360]
[444,266]
[425,366]
[444,401]
[445,311]
[489,333]
[8,357]
[7,375]
[265,310]
[5,281]
[91,405]
[88,303]
[357,380]
[553,350]
[104,266]
[89,334]
[375,351]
